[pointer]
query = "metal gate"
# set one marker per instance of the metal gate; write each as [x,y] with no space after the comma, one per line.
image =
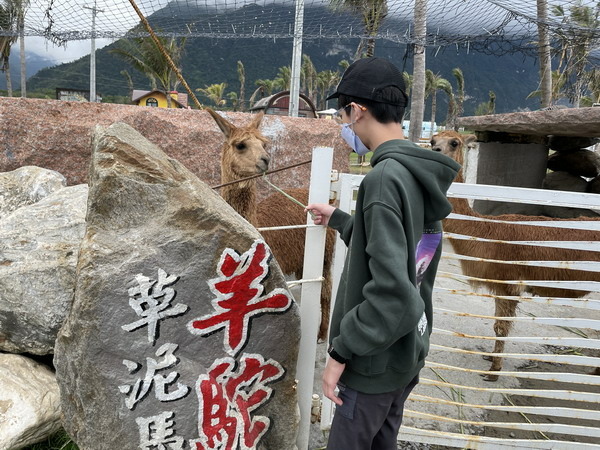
[546,395]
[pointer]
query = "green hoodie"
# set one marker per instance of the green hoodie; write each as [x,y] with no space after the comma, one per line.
[383,312]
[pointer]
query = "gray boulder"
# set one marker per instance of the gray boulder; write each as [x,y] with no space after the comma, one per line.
[38,254]
[182,331]
[27,185]
[29,402]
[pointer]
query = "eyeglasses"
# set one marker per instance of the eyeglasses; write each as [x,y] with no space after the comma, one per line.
[338,114]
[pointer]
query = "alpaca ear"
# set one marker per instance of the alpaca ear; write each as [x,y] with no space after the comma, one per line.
[225,126]
[469,139]
[257,120]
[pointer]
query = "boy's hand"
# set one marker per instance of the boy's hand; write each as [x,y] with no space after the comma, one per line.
[331,376]
[321,211]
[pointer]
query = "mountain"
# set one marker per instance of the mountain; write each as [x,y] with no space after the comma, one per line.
[35,63]
[212,60]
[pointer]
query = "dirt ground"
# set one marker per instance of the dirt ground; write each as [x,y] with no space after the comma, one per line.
[470,420]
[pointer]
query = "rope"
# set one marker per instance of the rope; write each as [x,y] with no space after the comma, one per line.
[261,174]
[165,54]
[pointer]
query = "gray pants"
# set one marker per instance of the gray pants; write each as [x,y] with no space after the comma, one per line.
[368,421]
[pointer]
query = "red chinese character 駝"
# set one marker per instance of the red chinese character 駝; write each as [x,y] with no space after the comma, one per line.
[227,397]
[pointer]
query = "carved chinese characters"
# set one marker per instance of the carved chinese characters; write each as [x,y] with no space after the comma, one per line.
[182,334]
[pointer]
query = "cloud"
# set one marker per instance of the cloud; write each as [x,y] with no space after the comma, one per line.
[72,51]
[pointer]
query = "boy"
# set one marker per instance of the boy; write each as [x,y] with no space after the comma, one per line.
[382,319]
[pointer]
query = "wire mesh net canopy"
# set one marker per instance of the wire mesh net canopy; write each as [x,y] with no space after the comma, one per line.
[448,21]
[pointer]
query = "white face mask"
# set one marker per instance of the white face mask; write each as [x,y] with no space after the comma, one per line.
[353,140]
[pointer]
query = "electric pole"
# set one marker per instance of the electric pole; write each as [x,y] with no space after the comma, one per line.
[93,52]
[296,60]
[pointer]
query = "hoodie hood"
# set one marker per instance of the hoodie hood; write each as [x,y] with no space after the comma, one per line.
[434,171]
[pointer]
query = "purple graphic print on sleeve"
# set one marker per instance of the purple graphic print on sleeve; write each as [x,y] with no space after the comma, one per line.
[425,250]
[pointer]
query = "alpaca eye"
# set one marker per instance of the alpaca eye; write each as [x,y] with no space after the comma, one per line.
[454,144]
[241,146]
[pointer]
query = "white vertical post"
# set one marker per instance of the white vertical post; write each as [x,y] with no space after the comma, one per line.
[93,53]
[296,60]
[314,250]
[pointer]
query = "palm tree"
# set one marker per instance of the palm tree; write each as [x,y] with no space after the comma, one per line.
[446,86]
[143,54]
[265,88]
[7,26]
[544,54]
[487,108]
[417,106]
[283,79]
[235,101]
[325,81]
[575,49]
[559,80]
[460,93]
[433,83]
[242,77]
[215,93]
[372,13]
[308,78]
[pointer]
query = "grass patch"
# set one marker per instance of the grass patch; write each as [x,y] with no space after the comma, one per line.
[58,441]
[357,168]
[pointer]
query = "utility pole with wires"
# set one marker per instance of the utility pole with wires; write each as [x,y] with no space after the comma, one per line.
[296,60]
[95,11]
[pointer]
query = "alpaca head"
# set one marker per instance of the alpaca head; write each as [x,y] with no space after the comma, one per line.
[452,144]
[244,151]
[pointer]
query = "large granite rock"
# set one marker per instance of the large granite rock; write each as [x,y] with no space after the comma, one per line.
[29,402]
[56,134]
[575,122]
[39,244]
[27,185]
[182,330]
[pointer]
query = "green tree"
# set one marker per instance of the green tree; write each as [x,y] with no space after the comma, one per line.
[144,56]
[593,87]
[283,79]
[446,86]
[577,40]
[433,83]
[326,80]
[559,80]
[308,78]
[417,105]
[234,99]
[8,23]
[215,92]
[241,70]
[487,108]
[460,93]
[372,13]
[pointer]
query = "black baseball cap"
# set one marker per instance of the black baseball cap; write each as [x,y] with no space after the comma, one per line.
[366,79]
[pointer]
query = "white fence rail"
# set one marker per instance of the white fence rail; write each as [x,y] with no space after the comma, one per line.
[546,395]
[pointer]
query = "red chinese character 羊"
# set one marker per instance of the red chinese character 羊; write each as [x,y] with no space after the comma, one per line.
[238,292]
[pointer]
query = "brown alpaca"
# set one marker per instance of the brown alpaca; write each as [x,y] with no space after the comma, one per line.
[452,144]
[244,155]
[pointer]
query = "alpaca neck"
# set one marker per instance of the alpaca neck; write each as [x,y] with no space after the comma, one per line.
[461,205]
[242,198]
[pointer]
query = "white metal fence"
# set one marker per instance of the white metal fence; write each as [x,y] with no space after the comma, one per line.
[546,395]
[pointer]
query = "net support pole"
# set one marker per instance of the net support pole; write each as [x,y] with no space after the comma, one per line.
[296,60]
